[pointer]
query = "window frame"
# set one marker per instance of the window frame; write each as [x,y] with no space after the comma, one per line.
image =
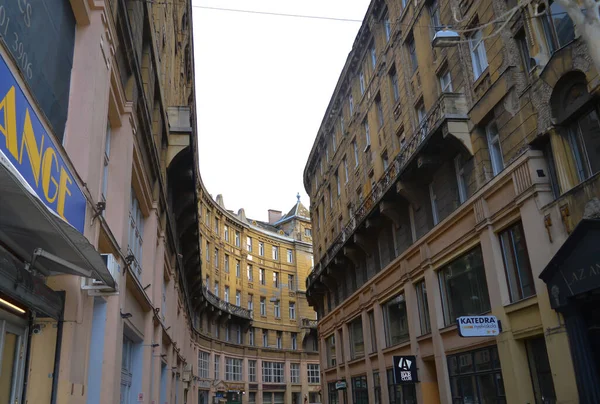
[479,62]
[492,140]
[509,246]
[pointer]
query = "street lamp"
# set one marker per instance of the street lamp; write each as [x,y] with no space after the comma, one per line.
[445,38]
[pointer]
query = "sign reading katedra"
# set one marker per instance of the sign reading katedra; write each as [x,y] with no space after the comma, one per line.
[478,326]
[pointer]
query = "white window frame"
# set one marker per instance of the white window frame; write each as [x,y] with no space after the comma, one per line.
[262,276]
[479,60]
[216,257]
[434,207]
[217,288]
[275,252]
[314,373]
[105,163]
[493,138]
[226,233]
[265,335]
[237,238]
[250,273]
[279,340]
[217,371]
[226,294]
[446,82]
[373,52]
[460,179]
[273,372]
[387,24]
[351,104]
[238,298]
[367,131]
[361,79]
[295,373]
[263,306]
[276,280]
[277,308]
[238,269]
[290,256]
[249,243]
[251,302]
[355,153]
[261,248]
[291,282]
[251,338]
[252,370]
[292,310]
[203,364]
[294,339]
[346,179]
[226,260]
[136,232]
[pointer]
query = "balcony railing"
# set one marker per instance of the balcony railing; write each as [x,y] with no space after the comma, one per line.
[449,105]
[226,306]
[308,323]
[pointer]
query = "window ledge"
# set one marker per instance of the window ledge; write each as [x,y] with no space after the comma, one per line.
[424,337]
[372,354]
[397,346]
[448,329]
[521,304]
[355,361]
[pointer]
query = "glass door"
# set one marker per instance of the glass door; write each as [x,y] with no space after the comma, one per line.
[13,343]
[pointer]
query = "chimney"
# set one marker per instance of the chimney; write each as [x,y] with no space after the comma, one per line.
[274,216]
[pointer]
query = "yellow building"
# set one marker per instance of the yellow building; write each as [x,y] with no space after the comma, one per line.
[443,180]
[256,333]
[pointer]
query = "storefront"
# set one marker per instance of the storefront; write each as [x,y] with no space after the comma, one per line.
[42,205]
[573,281]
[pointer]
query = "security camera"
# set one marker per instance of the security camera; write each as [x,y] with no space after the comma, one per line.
[36,329]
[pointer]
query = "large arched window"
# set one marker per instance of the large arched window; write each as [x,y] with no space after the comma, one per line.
[576,111]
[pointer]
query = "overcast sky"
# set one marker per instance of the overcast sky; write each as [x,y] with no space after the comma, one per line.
[263,83]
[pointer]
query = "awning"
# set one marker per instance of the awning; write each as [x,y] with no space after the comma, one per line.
[31,230]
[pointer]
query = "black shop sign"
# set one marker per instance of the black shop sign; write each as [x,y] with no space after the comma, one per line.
[405,369]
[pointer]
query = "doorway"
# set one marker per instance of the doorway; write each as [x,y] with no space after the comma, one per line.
[590,309]
[13,348]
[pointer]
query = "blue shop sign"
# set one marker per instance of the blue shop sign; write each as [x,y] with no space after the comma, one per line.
[34,153]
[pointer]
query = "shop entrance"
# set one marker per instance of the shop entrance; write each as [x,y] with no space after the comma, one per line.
[13,346]
[590,309]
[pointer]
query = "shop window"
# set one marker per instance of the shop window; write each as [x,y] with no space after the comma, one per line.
[330,346]
[476,377]
[423,306]
[400,393]
[464,287]
[332,393]
[357,342]
[360,392]
[541,374]
[252,397]
[376,388]
[395,320]
[516,263]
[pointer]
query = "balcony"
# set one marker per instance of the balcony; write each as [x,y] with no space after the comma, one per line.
[444,130]
[225,307]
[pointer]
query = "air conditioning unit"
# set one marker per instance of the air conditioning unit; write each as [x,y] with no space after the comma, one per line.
[115,271]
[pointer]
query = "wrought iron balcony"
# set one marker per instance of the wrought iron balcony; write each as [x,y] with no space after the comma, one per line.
[450,106]
[308,323]
[226,306]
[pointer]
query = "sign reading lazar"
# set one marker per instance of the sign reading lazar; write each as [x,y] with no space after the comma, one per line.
[478,326]
[27,145]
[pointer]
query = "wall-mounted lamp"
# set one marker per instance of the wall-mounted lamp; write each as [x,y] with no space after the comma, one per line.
[126,315]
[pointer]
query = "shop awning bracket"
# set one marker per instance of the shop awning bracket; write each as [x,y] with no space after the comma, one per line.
[40,253]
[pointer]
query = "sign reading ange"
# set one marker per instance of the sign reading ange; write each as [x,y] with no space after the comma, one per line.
[478,326]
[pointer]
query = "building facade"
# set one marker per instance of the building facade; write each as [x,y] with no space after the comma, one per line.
[443,181]
[257,335]
[98,203]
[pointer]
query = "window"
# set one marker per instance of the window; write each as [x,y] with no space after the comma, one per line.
[385,161]
[357,343]
[446,82]
[355,147]
[395,320]
[275,253]
[279,340]
[216,226]
[292,310]
[330,197]
[493,140]
[376,388]
[252,369]
[337,183]
[251,302]
[361,79]
[314,373]
[558,26]
[290,256]
[434,207]
[216,257]
[295,373]
[478,55]
[217,370]
[249,244]
[308,232]
[291,282]
[238,298]
[327,154]
[379,110]
[272,372]
[207,218]
[350,104]
[434,12]
[226,263]
[251,336]
[394,83]
[330,344]
[238,270]
[373,52]
[584,138]
[333,142]
[475,376]
[277,308]
[261,248]
[227,294]
[263,306]
[208,282]
[464,287]
[360,392]
[216,288]
[373,331]
[276,283]
[459,168]
[265,335]
[387,27]
[423,307]
[332,393]
[402,393]
[367,133]
[203,363]
[136,231]
[412,51]
[105,164]
[516,262]
[262,277]
[524,50]
[345,162]
[539,368]
[237,238]
[250,273]
[294,337]
[226,233]
[233,369]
